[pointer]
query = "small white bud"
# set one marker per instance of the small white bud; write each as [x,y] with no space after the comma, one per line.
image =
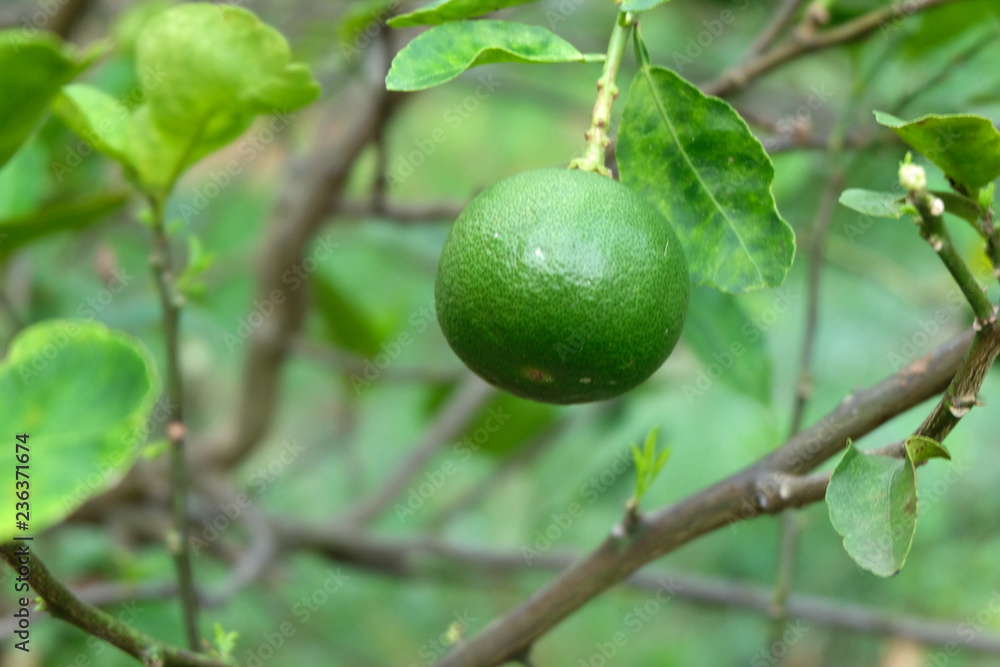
[912,176]
[937,206]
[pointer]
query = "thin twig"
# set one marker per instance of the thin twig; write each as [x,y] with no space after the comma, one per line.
[775,27]
[468,397]
[790,530]
[163,271]
[739,76]
[311,193]
[744,495]
[435,560]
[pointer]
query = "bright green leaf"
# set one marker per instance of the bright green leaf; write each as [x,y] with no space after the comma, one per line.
[101,120]
[921,448]
[447,50]
[966,147]
[18,232]
[442,11]
[32,68]
[224,643]
[875,204]
[207,71]
[873,505]
[190,282]
[82,393]
[716,331]
[640,5]
[24,180]
[218,66]
[648,463]
[696,160]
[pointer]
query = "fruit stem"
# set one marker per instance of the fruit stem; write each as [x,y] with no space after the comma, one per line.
[607,91]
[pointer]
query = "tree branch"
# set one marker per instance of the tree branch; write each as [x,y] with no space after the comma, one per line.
[430,559]
[755,490]
[739,76]
[772,31]
[310,195]
[170,305]
[61,603]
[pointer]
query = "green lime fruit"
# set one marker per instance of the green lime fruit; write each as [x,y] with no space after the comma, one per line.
[562,286]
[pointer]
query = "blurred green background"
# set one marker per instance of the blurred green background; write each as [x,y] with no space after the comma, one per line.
[881,289]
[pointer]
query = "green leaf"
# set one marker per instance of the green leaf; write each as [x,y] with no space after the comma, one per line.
[648,463]
[190,282]
[218,66]
[696,160]
[442,11]
[966,147]
[224,643]
[729,346]
[921,448]
[98,118]
[447,50]
[873,505]
[640,5]
[875,204]
[18,232]
[82,393]
[32,68]
[24,180]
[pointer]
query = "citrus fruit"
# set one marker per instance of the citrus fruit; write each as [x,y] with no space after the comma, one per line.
[562,286]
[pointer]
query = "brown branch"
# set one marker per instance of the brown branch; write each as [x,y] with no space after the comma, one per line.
[431,559]
[755,490]
[737,77]
[310,195]
[68,17]
[775,27]
[61,603]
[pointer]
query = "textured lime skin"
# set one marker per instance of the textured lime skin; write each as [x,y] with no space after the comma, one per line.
[562,286]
